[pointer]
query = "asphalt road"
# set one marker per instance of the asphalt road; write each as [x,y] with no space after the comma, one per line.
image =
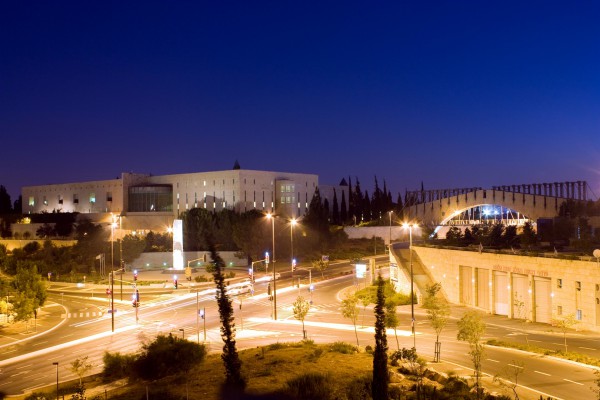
[27,365]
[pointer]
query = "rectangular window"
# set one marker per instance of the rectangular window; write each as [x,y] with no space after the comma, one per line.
[45,201]
[578,285]
[60,199]
[559,283]
[579,315]
[559,310]
[75,199]
[92,198]
[31,201]
[108,196]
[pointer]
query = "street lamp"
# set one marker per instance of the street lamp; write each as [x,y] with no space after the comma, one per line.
[412,298]
[292,223]
[182,333]
[272,218]
[56,363]
[390,241]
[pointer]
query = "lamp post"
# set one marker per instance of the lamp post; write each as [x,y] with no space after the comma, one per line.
[390,238]
[412,297]
[56,363]
[272,218]
[292,223]
[182,333]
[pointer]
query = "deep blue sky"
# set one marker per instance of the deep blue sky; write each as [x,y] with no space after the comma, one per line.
[453,94]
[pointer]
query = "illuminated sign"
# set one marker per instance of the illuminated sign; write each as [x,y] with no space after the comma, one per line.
[177,244]
[361,270]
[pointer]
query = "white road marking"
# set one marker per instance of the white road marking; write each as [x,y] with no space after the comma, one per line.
[516,366]
[496,361]
[568,380]
[24,366]
[542,373]
[586,348]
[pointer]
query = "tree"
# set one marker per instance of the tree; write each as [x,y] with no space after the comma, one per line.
[31,291]
[391,318]
[335,214]
[5,203]
[167,355]
[365,300]
[454,235]
[509,237]
[301,308]
[379,390]
[438,312]
[508,378]
[471,329]
[249,234]
[317,219]
[80,366]
[132,246]
[45,231]
[321,265]
[343,210]
[234,384]
[350,311]
[528,236]
[565,324]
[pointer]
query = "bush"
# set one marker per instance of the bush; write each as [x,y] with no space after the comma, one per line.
[167,355]
[310,386]
[360,388]
[116,365]
[403,354]
[344,348]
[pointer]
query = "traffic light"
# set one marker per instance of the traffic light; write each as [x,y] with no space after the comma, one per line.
[269,289]
[135,275]
[107,291]
[267,257]
[202,313]
[293,265]
[175,281]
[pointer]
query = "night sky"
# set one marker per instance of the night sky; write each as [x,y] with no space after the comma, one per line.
[450,93]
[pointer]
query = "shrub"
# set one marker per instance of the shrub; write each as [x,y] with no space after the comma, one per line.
[310,386]
[360,388]
[116,365]
[167,355]
[315,355]
[403,354]
[369,349]
[344,348]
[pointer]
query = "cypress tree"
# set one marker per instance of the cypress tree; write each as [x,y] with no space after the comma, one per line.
[366,208]
[343,211]
[335,216]
[351,209]
[357,199]
[379,390]
[234,384]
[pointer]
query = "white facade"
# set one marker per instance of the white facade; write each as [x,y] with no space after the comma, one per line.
[132,196]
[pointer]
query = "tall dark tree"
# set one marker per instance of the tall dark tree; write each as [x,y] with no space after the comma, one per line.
[357,198]
[18,205]
[316,219]
[380,368]
[343,210]
[399,207]
[351,210]
[326,207]
[335,213]
[234,384]
[387,199]
[377,201]
[5,203]
[367,214]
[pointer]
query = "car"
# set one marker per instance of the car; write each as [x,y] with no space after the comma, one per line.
[239,289]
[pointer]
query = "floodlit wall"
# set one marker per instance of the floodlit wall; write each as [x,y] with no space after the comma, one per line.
[531,288]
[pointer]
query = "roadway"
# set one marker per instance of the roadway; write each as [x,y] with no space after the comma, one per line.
[27,365]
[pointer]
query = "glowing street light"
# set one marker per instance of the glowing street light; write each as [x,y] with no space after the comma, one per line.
[272,218]
[412,298]
[293,222]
